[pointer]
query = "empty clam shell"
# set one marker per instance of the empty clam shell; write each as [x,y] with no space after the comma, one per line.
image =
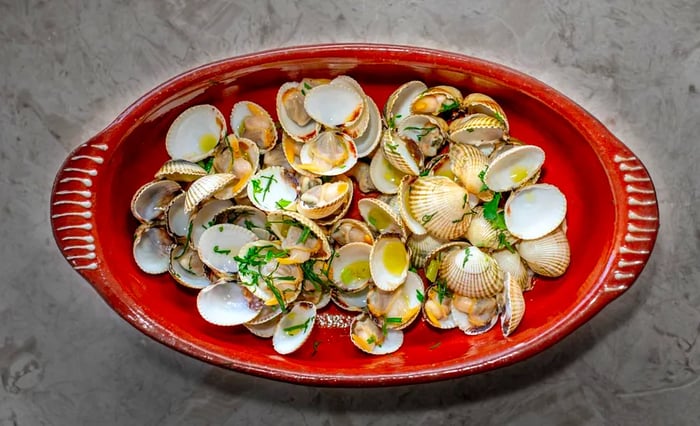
[385,177]
[273,188]
[350,268]
[511,168]
[293,117]
[227,303]
[151,249]
[381,217]
[514,305]
[549,255]
[484,104]
[176,220]
[219,244]
[294,328]
[334,105]
[368,141]
[195,133]
[205,188]
[535,210]
[180,171]
[398,105]
[204,218]
[150,202]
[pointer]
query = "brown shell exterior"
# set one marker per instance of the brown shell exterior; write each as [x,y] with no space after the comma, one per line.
[441,205]
[474,278]
[548,256]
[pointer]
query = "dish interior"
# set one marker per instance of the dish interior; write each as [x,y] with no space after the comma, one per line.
[571,164]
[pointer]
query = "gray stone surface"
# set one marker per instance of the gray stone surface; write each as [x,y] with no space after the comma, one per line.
[68,67]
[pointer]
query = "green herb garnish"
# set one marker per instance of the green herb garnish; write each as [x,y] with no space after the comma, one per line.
[295,329]
[393,320]
[427,218]
[466,256]
[491,208]
[448,106]
[420,296]
[482,173]
[304,235]
[442,290]
[206,164]
[187,241]
[221,251]
[282,203]
[421,132]
[372,339]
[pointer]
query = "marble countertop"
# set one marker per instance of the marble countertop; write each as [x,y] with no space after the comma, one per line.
[69,67]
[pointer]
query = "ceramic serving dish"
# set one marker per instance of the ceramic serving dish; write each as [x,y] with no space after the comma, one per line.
[612,217]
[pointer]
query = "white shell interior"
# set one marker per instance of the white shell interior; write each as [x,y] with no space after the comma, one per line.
[347,255]
[289,334]
[226,304]
[178,220]
[204,216]
[385,177]
[513,167]
[195,125]
[535,211]
[368,141]
[151,250]
[277,191]
[333,105]
[219,244]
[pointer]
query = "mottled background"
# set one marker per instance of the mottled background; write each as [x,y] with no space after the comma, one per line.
[68,67]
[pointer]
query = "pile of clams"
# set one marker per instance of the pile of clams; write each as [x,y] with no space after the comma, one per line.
[451,224]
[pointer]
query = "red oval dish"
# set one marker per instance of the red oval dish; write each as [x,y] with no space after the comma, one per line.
[612,216]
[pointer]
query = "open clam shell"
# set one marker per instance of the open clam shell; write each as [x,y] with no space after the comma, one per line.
[151,249]
[240,157]
[469,164]
[187,268]
[350,270]
[389,261]
[350,301]
[346,231]
[204,218]
[180,171]
[292,152]
[359,126]
[437,100]
[204,188]
[549,255]
[402,153]
[380,217]
[385,177]
[219,244]
[471,272]
[300,236]
[513,305]
[176,220]
[426,131]
[294,119]
[273,188]
[368,141]
[476,129]
[512,263]
[195,133]
[369,337]
[150,202]
[398,105]
[400,307]
[511,168]
[265,329]
[437,309]
[420,246]
[249,120]
[474,315]
[294,328]
[413,224]
[325,199]
[331,153]
[227,303]
[441,205]
[440,165]
[535,210]
[334,105]
[480,103]
[249,217]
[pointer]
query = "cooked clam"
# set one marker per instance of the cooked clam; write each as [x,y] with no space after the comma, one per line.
[250,121]
[227,303]
[370,338]
[151,249]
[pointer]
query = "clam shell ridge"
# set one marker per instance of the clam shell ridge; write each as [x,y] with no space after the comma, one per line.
[471,272]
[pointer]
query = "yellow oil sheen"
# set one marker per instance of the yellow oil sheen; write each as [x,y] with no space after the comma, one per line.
[518,173]
[379,219]
[355,271]
[207,142]
[394,257]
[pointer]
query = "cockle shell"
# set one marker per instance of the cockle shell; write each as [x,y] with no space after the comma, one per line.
[331,153]
[361,173]
[427,131]
[420,247]
[512,263]
[484,104]
[151,200]
[151,248]
[205,188]
[535,210]
[369,337]
[323,200]
[476,129]
[249,217]
[219,244]
[180,171]
[227,303]
[398,105]
[294,119]
[203,218]
[510,169]
[402,153]
[368,141]
[549,255]
[471,272]
[195,133]
[249,120]
[389,261]
[187,268]
[400,307]
[514,305]
[412,223]
[347,231]
[356,257]
[469,164]
[441,205]
[482,233]
[277,220]
[350,301]
[334,105]
[273,188]
[437,100]
[294,328]
[176,220]
[385,177]
[381,217]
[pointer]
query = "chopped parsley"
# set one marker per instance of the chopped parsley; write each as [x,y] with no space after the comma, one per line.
[449,105]
[251,264]
[421,132]
[392,147]
[304,235]
[206,164]
[466,256]
[310,275]
[391,122]
[259,189]
[372,339]
[435,346]
[221,251]
[282,203]
[427,218]
[393,320]
[482,173]
[187,241]
[420,296]
[295,329]
[442,290]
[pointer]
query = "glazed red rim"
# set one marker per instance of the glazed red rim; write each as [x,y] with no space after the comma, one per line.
[613,215]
